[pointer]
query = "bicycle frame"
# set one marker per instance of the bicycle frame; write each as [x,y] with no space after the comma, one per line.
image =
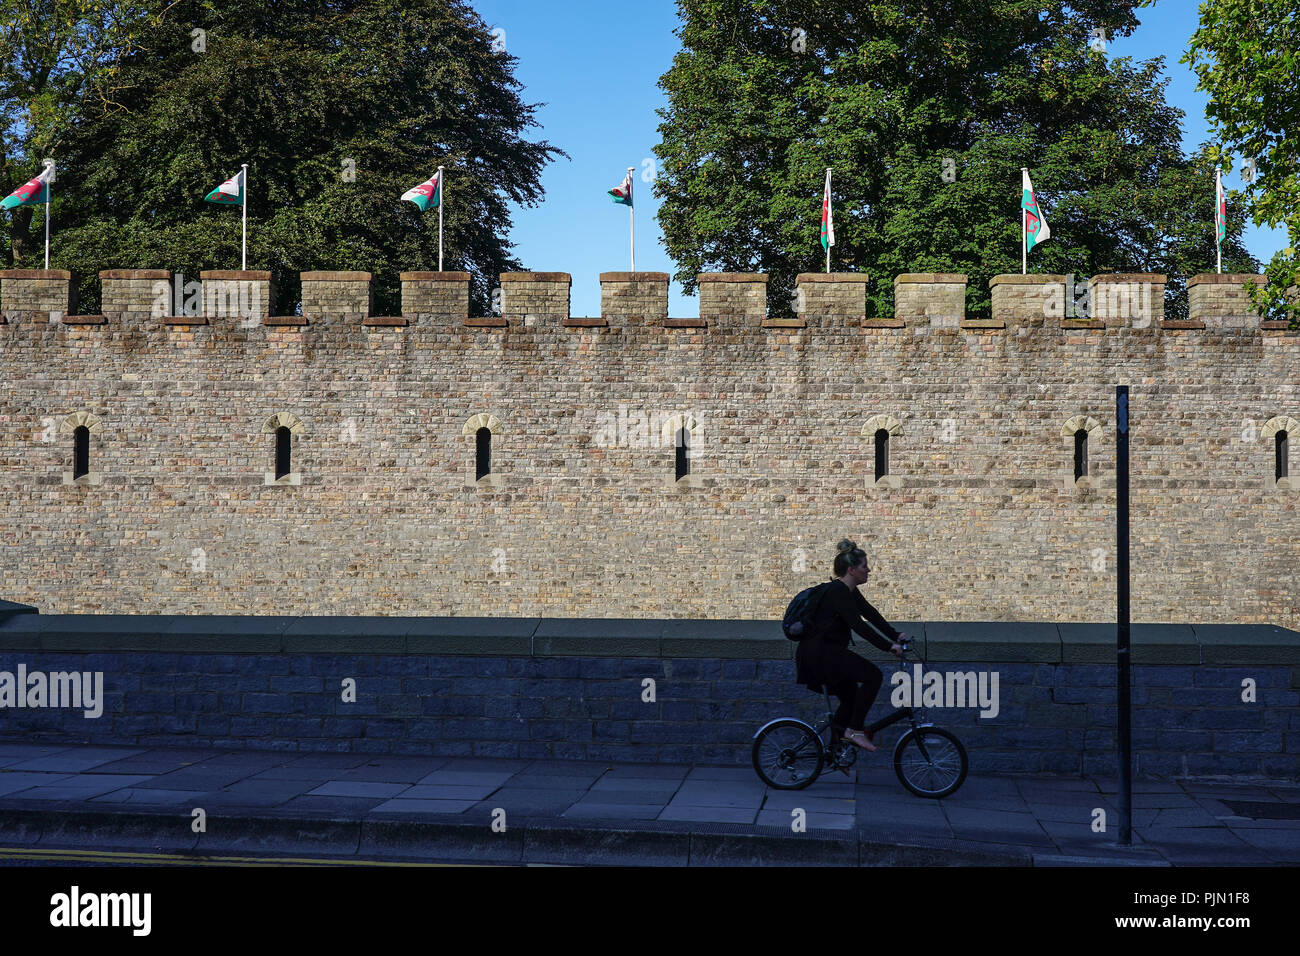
[914,714]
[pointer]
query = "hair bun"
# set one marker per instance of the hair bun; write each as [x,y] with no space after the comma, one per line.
[846,545]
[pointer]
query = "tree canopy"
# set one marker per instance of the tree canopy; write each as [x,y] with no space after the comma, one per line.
[926,110]
[1246,55]
[338,107]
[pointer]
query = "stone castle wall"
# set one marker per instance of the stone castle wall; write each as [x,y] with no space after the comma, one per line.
[980,516]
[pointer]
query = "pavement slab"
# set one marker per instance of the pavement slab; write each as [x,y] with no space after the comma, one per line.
[80,787]
[79,760]
[710,814]
[813,821]
[14,782]
[424,806]
[358,788]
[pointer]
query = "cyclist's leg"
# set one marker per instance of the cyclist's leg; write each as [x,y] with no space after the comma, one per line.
[845,691]
[871,678]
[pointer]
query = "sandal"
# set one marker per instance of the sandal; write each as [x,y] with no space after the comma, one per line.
[860,738]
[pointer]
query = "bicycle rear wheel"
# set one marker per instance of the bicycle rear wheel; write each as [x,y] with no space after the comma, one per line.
[930,762]
[788,755]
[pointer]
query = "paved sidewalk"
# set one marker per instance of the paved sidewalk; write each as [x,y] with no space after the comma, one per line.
[581,812]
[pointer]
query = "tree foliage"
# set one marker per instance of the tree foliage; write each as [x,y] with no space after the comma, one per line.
[1246,54]
[338,107]
[926,110]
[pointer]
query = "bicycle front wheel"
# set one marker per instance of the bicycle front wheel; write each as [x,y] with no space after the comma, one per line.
[788,755]
[930,762]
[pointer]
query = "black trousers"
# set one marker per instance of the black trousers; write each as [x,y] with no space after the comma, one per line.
[856,694]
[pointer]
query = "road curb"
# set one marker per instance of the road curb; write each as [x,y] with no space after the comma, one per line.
[532,841]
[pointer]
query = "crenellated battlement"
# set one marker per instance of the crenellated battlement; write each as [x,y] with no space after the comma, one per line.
[729,303]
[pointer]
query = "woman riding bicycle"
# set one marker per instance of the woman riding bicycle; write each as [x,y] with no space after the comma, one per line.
[825,658]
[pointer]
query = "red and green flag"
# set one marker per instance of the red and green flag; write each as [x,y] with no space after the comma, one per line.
[828,219]
[31,193]
[622,193]
[1220,208]
[229,193]
[428,194]
[1036,230]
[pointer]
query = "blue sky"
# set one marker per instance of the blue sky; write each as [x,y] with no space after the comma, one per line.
[600,89]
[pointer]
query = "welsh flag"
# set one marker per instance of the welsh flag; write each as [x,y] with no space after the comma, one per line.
[828,220]
[428,194]
[1035,225]
[229,193]
[31,193]
[1220,209]
[622,193]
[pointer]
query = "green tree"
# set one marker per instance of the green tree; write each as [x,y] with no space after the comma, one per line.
[1246,54]
[925,110]
[53,54]
[338,107]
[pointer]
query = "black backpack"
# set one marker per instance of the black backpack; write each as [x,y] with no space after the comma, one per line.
[798,621]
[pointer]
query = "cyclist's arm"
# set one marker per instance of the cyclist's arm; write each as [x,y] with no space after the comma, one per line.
[876,618]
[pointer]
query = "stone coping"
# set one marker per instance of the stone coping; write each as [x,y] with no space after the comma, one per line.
[536,277]
[1153,277]
[83,320]
[35,274]
[135,274]
[731,277]
[334,276]
[785,323]
[184,320]
[434,276]
[698,323]
[1031,279]
[634,277]
[857,277]
[1226,278]
[580,322]
[385,321]
[242,275]
[994,642]
[287,320]
[955,277]
[487,322]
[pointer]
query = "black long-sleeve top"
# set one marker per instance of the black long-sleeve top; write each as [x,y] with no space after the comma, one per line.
[843,608]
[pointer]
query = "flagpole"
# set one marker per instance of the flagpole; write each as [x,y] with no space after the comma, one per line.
[442,200]
[49,197]
[631,218]
[244,254]
[828,220]
[1024,250]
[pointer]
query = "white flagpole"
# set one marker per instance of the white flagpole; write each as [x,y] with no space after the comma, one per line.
[1024,250]
[442,201]
[244,255]
[49,195]
[631,218]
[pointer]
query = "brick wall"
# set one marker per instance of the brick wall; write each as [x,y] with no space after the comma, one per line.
[578,690]
[583,514]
